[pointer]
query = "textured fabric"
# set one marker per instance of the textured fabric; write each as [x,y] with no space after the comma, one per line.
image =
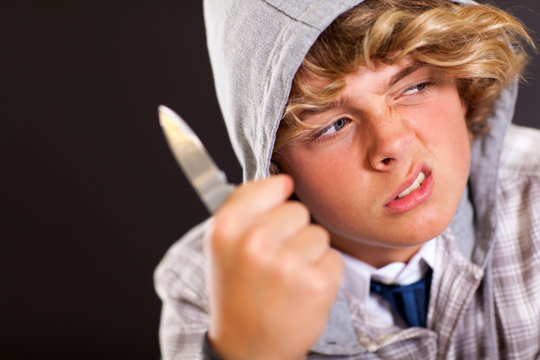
[487,267]
[357,276]
[255,48]
[465,297]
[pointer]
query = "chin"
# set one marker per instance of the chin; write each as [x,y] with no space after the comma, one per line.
[419,232]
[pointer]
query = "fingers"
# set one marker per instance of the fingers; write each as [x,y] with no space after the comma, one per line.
[309,244]
[310,256]
[249,202]
[331,265]
[272,275]
[260,221]
[258,197]
[271,230]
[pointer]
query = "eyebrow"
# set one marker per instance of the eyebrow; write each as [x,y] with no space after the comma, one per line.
[344,101]
[338,102]
[403,73]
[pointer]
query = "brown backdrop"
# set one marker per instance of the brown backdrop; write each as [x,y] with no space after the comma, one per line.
[92,197]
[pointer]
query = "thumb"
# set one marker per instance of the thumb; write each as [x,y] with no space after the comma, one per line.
[251,200]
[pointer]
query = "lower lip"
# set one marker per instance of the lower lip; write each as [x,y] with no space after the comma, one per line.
[415,198]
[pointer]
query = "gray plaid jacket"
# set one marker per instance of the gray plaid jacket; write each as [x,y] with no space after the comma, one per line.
[487,311]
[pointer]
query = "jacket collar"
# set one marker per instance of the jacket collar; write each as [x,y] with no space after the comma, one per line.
[339,337]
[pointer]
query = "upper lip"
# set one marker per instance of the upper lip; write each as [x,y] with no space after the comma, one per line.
[408,181]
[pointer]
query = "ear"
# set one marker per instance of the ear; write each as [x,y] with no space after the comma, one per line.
[464,106]
[275,168]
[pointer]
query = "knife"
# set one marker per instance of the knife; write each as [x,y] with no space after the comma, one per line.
[209,181]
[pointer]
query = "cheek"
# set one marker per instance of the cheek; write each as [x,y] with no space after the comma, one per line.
[321,179]
[441,125]
[302,168]
[314,178]
[325,167]
[449,143]
[456,135]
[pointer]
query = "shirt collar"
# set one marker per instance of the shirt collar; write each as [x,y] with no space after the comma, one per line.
[357,274]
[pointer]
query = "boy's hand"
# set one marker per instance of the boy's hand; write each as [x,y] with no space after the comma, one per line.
[273,276]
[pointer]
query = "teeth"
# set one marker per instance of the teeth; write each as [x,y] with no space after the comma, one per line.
[415,185]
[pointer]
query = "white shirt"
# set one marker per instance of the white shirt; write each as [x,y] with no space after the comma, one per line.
[357,276]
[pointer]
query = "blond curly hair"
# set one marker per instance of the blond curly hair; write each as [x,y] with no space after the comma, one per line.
[481,46]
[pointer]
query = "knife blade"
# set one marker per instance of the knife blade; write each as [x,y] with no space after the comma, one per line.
[207,179]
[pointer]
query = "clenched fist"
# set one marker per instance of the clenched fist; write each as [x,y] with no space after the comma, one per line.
[273,276]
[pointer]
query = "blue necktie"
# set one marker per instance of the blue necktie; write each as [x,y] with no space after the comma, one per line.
[410,301]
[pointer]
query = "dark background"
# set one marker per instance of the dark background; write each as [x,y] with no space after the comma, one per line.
[92,195]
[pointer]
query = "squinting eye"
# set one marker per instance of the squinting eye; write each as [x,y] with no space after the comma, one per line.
[415,89]
[335,127]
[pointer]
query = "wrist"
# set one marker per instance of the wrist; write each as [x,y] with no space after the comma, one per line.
[209,352]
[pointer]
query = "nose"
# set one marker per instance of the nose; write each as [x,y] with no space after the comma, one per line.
[391,141]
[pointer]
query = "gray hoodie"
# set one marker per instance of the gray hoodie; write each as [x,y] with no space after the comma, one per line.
[255,50]
[256,47]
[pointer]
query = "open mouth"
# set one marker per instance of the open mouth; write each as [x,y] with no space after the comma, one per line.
[418,191]
[415,185]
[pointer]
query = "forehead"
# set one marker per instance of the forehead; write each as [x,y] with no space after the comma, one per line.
[378,79]
[321,89]
[382,75]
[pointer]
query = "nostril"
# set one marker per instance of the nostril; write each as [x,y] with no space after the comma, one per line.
[386,161]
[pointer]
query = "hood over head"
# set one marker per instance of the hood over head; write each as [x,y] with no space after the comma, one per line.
[256,47]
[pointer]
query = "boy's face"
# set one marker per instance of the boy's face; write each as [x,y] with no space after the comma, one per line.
[388,128]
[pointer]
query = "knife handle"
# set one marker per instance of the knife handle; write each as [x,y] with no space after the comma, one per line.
[213,189]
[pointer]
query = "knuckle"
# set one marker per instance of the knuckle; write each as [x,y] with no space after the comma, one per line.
[285,266]
[337,265]
[320,284]
[299,211]
[221,230]
[257,236]
[238,191]
[254,247]
[327,280]
[320,233]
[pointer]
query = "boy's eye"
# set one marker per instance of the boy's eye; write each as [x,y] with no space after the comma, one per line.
[334,127]
[415,88]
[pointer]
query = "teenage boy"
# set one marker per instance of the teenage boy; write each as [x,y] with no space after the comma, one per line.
[415,233]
